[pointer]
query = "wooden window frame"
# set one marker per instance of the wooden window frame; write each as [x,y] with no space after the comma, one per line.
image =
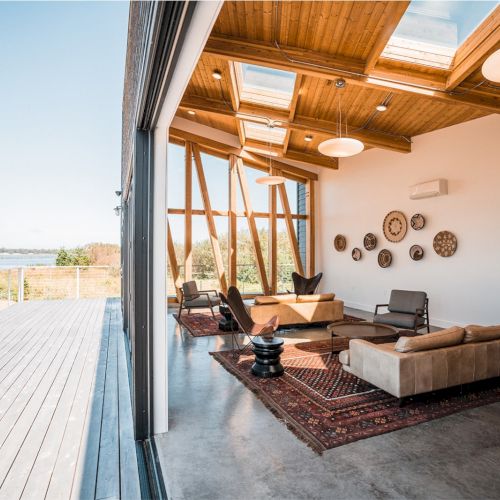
[237,176]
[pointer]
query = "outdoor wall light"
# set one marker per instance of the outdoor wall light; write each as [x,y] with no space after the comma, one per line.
[117,210]
[217,75]
[191,112]
[491,67]
[381,107]
[118,193]
[308,138]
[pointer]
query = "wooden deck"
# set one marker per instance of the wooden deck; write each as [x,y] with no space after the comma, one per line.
[65,412]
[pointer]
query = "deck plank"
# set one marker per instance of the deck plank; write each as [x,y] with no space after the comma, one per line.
[129,477]
[65,412]
[108,472]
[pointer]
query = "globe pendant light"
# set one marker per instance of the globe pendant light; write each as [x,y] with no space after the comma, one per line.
[270,180]
[340,147]
[491,67]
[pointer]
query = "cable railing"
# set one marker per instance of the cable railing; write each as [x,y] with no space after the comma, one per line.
[58,282]
[247,278]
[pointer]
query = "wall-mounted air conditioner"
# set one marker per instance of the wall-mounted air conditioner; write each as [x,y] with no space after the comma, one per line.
[429,189]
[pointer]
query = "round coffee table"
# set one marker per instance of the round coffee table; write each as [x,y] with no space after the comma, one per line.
[365,330]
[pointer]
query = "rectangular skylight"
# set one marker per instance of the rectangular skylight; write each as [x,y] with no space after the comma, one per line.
[430,32]
[266,86]
[261,132]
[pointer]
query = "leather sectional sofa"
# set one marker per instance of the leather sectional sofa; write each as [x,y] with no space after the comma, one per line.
[298,309]
[415,365]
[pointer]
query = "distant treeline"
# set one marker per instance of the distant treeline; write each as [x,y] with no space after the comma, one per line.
[94,254]
[28,250]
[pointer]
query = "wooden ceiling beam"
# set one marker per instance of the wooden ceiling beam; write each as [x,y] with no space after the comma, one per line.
[234,95]
[255,160]
[301,123]
[320,66]
[473,52]
[385,34]
[312,159]
[293,108]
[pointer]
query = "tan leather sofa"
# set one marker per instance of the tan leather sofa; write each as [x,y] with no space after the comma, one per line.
[429,362]
[298,309]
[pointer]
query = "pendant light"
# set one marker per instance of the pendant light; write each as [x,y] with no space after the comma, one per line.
[340,146]
[491,67]
[270,180]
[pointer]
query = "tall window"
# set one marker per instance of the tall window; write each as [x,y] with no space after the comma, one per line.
[196,250]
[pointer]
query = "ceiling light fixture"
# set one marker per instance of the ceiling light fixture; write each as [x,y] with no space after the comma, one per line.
[340,147]
[270,180]
[308,138]
[217,75]
[491,67]
[191,112]
[381,107]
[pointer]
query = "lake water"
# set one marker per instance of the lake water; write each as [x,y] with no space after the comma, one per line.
[22,260]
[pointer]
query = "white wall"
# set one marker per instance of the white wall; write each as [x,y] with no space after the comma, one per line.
[354,200]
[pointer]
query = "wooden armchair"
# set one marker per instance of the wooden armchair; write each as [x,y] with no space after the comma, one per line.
[407,309]
[192,298]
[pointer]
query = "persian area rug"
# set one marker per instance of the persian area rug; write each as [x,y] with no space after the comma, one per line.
[203,324]
[200,324]
[327,407]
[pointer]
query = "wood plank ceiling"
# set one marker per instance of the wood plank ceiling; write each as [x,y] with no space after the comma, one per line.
[324,41]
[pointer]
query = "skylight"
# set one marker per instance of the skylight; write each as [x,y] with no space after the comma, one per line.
[266,86]
[261,132]
[430,32]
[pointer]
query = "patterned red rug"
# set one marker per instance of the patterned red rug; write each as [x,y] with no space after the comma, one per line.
[327,407]
[203,324]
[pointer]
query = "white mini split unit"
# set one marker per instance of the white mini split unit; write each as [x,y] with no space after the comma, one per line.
[429,189]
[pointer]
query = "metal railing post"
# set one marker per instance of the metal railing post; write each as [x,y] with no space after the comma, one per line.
[9,287]
[20,284]
[77,282]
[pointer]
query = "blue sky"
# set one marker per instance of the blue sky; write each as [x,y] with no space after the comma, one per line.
[61,84]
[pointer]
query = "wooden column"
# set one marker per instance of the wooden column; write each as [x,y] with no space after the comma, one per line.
[272,239]
[233,222]
[310,228]
[291,230]
[212,230]
[252,226]
[188,214]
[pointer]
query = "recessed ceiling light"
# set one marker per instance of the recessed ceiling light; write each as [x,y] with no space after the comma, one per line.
[191,112]
[381,107]
[217,75]
[308,138]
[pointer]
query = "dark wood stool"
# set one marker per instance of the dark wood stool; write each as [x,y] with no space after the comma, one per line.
[267,357]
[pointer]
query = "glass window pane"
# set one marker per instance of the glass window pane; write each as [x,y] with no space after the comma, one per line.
[430,32]
[217,178]
[261,132]
[247,274]
[285,258]
[267,86]
[176,176]
[176,223]
[259,193]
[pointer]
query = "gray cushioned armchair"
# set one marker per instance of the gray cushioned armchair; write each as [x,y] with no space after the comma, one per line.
[192,298]
[407,309]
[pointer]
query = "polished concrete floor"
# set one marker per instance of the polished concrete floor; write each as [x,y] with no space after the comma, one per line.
[224,444]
